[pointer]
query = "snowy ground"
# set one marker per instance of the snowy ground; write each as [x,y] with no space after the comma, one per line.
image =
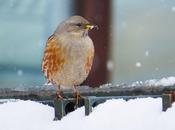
[169,81]
[135,114]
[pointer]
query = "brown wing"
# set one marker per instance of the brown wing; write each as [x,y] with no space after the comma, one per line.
[89,60]
[53,59]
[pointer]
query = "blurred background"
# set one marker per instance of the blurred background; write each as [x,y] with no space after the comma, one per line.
[135,40]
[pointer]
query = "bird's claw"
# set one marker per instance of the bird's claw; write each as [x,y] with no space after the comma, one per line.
[78,97]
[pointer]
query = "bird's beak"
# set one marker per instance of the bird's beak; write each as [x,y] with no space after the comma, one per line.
[90,26]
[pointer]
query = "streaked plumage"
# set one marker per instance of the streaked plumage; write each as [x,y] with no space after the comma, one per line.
[69,53]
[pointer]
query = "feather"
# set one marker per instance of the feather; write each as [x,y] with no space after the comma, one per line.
[53,59]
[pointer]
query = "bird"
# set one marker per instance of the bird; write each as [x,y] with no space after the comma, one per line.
[69,54]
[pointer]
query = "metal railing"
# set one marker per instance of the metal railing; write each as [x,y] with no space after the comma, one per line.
[91,96]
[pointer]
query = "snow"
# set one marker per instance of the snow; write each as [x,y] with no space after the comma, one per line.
[138,64]
[137,83]
[169,81]
[19,72]
[173,8]
[146,53]
[48,84]
[156,68]
[110,65]
[135,114]
[107,85]
[24,115]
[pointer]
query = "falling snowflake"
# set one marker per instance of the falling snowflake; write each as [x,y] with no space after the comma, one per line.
[138,64]
[19,72]
[156,69]
[146,53]
[110,65]
[124,24]
[173,8]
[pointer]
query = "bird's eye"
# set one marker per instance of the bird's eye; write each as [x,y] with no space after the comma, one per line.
[79,24]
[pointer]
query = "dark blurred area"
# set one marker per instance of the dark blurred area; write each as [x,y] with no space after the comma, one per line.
[97,11]
[135,40]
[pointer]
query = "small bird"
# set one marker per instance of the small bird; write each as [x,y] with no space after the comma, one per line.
[69,54]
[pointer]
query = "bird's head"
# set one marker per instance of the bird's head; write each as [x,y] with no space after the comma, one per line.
[76,25]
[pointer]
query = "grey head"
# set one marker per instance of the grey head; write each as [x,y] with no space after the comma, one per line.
[75,25]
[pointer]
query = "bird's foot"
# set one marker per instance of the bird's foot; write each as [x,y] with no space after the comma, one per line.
[78,97]
[58,96]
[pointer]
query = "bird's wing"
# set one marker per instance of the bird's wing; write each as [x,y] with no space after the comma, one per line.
[53,59]
[89,60]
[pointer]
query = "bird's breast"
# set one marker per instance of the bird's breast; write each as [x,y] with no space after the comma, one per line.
[79,55]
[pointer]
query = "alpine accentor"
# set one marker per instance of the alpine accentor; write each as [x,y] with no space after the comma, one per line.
[69,54]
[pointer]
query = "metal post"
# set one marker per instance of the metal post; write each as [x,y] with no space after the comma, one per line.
[59,109]
[88,106]
[166,101]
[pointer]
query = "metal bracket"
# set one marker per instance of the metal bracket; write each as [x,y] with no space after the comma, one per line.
[92,101]
[167,100]
[62,107]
